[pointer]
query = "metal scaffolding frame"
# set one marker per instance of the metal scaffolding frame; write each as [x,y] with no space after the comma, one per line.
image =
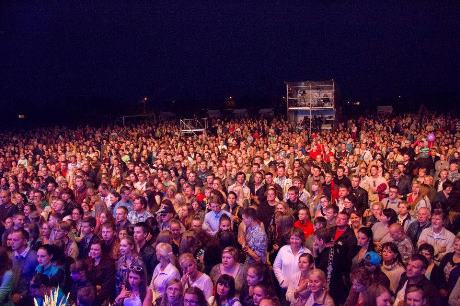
[193,126]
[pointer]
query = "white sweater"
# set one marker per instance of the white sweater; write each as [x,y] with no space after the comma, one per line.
[286,265]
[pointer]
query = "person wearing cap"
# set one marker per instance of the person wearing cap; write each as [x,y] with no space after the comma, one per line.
[372,263]
[165,214]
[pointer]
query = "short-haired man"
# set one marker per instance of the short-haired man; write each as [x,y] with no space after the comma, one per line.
[415,276]
[416,227]
[88,225]
[438,236]
[24,262]
[139,212]
[145,249]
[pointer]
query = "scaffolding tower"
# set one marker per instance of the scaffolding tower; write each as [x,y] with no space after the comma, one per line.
[193,126]
[311,100]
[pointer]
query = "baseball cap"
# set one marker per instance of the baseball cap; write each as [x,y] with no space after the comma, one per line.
[373,258]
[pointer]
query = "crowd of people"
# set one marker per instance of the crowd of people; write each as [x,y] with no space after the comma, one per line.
[253,212]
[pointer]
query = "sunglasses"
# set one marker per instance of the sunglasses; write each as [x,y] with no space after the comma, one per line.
[136,268]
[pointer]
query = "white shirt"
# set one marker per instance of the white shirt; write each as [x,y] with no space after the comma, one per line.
[204,283]
[286,265]
[160,279]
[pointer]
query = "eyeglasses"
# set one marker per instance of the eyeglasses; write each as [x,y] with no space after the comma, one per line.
[190,302]
[136,268]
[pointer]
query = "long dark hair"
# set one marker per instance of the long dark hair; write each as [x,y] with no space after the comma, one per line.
[139,270]
[367,231]
[5,261]
[394,248]
[227,281]
[199,295]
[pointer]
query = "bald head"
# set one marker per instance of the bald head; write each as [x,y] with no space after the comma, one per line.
[396,232]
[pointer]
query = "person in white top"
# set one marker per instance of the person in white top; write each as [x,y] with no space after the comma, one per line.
[192,277]
[164,271]
[438,236]
[286,263]
[300,281]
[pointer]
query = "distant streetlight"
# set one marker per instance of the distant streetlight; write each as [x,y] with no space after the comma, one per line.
[144,101]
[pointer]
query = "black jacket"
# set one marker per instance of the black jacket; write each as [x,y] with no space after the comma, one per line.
[361,199]
[434,299]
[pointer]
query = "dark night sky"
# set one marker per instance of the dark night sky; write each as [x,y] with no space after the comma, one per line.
[52,51]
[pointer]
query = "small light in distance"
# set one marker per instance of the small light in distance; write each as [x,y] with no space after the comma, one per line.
[21,116]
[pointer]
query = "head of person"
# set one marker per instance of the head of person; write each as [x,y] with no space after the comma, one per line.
[45,255]
[139,204]
[322,237]
[331,212]
[225,224]
[141,231]
[342,219]
[388,216]
[396,232]
[306,262]
[427,251]
[88,225]
[193,296]
[303,214]
[164,253]
[86,296]
[390,253]
[136,280]
[39,285]
[188,264]
[260,292]
[360,279]
[173,293]
[79,271]
[415,296]
[377,295]
[372,261]
[296,238]
[225,287]
[416,267]
[376,209]
[319,222]
[423,215]
[62,229]
[365,237]
[255,274]
[19,240]
[229,257]
[127,246]
[317,279]
[95,250]
[249,216]
[437,220]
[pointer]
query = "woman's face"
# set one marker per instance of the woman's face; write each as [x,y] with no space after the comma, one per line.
[258,295]
[271,195]
[43,257]
[122,234]
[363,240]
[45,230]
[26,210]
[383,218]
[316,283]
[295,242]
[125,248]
[225,226]
[85,206]
[227,260]
[222,289]
[173,292]
[190,299]
[134,280]
[304,264]
[95,251]
[414,298]
[189,267]
[251,277]
[388,255]
[231,199]
[355,220]
[280,208]
[384,299]
[103,218]
[76,215]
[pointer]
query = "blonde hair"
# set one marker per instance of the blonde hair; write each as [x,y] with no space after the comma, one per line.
[165,251]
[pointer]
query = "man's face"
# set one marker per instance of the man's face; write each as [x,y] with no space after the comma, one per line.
[85,228]
[137,205]
[269,179]
[247,220]
[396,234]
[107,233]
[415,269]
[4,198]
[79,182]
[343,192]
[340,172]
[330,215]
[18,221]
[120,215]
[196,225]
[292,195]
[175,229]
[215,207]
[355,182]
[436,221]
[423,215]
[393,193]
[139,235]
[17,241]
[240,179]
[341,220]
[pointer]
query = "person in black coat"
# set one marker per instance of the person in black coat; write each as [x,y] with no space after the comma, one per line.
[103,272]
[359,194]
